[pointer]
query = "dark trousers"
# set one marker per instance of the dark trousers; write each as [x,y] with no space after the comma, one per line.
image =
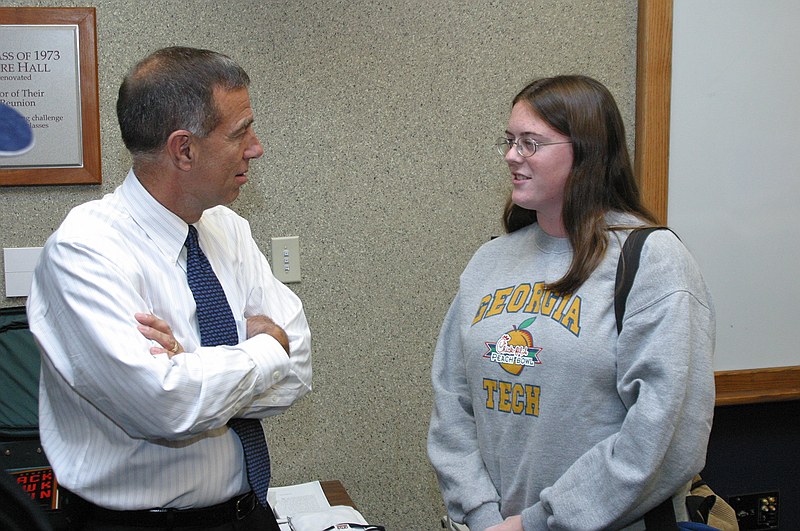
[84,516]
[258,520]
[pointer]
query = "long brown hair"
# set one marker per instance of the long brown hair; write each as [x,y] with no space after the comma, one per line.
[601,179]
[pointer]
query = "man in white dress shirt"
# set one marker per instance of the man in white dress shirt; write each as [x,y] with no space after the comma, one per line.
[133,410]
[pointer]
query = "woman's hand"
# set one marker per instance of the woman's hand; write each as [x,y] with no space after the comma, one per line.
[512,523]
[159,331]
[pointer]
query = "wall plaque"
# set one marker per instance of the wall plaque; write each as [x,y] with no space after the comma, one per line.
[48,73]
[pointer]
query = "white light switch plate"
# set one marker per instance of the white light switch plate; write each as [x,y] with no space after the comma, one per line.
[19,264]
[286,258]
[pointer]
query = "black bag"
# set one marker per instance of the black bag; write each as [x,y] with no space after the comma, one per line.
[702,504]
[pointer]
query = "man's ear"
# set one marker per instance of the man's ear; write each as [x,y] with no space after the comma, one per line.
[179,148]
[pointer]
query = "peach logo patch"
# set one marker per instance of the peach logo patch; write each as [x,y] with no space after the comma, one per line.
[514,350]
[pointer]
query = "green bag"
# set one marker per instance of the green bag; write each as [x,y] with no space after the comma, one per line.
[19,375]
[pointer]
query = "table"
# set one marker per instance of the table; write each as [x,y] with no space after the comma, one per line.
[336,493]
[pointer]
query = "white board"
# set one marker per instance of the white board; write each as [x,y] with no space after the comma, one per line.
[734,169]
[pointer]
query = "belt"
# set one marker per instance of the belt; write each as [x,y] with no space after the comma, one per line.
[232,510]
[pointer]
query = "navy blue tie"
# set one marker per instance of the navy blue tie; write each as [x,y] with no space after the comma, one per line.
[218,327]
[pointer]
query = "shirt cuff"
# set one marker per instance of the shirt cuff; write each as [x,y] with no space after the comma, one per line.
[271,360]
[484,516]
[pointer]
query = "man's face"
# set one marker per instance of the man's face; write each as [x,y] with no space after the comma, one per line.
[222,158]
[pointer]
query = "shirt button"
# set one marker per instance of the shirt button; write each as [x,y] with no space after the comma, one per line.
[276,376]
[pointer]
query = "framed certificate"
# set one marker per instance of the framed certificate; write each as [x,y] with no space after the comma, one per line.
[48,74]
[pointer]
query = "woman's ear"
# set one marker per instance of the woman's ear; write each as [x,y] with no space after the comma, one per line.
[179,148]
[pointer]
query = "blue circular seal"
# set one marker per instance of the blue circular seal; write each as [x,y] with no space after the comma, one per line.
[16,136]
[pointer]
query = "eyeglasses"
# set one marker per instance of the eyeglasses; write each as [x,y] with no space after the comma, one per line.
[526,145]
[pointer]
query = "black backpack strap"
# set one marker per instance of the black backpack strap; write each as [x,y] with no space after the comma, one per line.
[662,517]
[699,507]
[626,269]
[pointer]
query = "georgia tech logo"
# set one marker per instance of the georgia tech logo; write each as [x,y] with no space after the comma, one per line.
[514,350]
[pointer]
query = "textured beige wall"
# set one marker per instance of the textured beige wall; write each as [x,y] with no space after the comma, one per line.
[378,119]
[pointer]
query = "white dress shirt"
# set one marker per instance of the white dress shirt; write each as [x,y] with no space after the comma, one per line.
[129,430]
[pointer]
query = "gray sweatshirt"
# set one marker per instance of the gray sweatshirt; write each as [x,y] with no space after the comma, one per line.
[542,409]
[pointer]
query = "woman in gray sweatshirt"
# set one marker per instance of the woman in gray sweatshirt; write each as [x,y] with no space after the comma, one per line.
[544,416]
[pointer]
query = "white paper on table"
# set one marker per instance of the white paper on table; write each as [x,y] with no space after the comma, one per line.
[293,500]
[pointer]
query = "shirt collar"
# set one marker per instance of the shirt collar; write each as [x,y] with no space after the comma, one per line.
[167,230]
